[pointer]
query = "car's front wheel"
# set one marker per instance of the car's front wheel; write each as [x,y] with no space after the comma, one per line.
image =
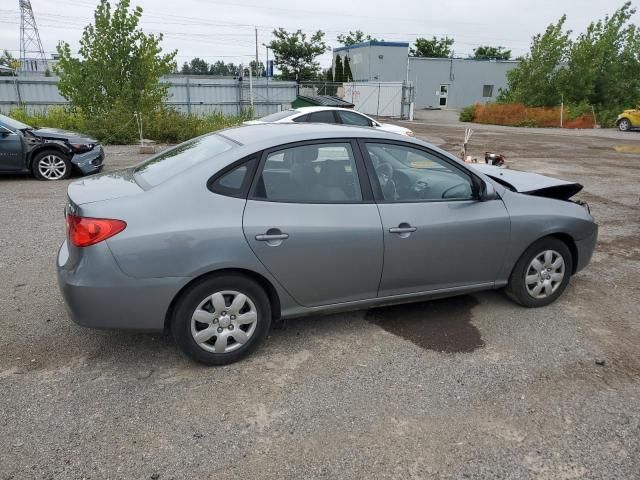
[220,319]
[51,165]
[541,274]
[624,125]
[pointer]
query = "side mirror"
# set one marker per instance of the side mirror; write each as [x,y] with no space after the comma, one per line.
[4,132]
[487,192]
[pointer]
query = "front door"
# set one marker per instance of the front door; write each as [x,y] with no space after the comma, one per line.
[437,235]
[11,150]
[443,95]
[313,223]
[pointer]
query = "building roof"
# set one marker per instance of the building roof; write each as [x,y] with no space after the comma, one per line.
[373,43]
[463,59]
[326,100]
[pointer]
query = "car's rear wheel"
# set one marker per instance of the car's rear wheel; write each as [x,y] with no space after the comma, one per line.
[51,165]
[541,274]
[221,319]
[624,125]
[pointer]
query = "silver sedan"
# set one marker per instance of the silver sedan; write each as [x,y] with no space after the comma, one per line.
[222,235]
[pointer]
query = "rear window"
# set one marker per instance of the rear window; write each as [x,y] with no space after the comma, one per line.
[170,163]
[274,117]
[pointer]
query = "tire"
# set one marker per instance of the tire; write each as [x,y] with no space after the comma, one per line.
[50,165]
[624,125]
[211,334]
[532,284]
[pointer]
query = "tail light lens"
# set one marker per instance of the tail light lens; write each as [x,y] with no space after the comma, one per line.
[86,231]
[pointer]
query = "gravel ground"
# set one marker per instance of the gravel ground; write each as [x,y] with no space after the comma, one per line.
[471,387]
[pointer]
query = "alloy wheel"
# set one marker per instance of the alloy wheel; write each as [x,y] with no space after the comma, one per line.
[224,321]
[52,167]
[624,125]
[545,274]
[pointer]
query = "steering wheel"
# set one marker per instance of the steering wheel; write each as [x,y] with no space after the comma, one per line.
[451,193]
[384,171]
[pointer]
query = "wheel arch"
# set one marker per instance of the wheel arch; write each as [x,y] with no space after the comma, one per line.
[47,146]
[272,293]
[564,238]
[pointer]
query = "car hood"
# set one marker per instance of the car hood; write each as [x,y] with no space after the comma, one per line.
[57,134]
[107,186]
[530,183]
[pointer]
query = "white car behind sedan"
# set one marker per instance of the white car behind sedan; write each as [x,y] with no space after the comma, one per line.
[333,115]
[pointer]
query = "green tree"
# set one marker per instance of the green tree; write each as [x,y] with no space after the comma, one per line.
[535,81]
[485,52]
[603,66]
[338,70]
[434,48]
[8,60]
[257,71]
[328,73]
[347,70]
[295,56]
[120,66]
[196,66]
[353,38]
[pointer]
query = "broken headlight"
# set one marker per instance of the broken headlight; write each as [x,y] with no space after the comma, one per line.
[81,147]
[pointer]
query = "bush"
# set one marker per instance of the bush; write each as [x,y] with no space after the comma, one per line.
[468,114]
[518,115]
[607,116]
[119,126]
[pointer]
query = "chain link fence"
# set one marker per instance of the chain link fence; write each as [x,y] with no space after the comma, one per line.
[379,99]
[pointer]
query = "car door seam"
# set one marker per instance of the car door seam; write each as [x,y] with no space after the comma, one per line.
[273,277]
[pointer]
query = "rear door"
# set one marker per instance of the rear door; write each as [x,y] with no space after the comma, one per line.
[311,220]
[437,235]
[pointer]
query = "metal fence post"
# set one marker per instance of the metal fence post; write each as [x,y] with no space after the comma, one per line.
[17,84]
[188,96]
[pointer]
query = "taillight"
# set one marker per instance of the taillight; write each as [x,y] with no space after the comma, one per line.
[85,231]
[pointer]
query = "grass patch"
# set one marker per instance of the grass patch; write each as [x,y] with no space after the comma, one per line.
[120,127]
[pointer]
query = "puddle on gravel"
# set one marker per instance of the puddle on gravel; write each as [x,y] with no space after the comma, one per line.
[440,325]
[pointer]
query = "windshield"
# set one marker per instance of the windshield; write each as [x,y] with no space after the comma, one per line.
[274,117]
[12,124]
[176,160]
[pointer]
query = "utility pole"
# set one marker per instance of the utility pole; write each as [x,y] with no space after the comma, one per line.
[257,68]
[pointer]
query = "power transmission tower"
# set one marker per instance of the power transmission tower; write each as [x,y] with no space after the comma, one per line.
[32,58]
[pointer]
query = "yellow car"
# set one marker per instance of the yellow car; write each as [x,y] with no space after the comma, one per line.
[628,119]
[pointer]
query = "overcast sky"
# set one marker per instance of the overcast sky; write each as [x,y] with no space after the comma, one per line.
[224,29]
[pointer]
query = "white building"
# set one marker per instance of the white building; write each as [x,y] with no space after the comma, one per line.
[438,82]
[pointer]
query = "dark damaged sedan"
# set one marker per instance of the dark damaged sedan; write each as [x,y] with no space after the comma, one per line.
[48,153]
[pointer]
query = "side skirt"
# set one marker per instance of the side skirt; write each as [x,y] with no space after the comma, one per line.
[390,300]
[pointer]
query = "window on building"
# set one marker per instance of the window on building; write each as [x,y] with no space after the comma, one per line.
[487,91]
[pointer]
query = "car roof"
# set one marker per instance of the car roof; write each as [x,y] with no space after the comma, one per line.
[315,109]
[268,135]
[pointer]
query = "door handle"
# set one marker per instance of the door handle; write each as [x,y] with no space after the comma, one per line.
[403,229]
[265,237]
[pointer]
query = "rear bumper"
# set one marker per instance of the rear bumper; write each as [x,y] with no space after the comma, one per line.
[585,248]
[98,295]
[89,162]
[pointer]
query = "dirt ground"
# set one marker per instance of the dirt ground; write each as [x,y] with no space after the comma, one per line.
[470,387]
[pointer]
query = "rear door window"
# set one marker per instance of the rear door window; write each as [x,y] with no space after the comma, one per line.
[323,116]
[316,173]
[352,118]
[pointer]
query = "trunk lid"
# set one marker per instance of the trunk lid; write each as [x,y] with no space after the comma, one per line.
[104,187]
[530,183]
